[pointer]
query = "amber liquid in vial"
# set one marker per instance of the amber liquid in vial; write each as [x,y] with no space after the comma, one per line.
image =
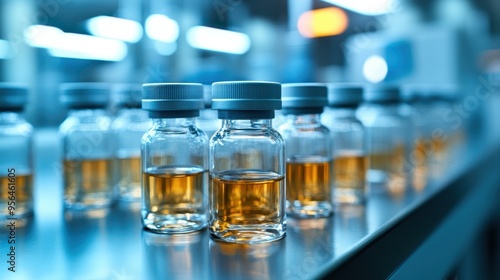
[349,177]
[387,169]
[87,183]
[129,178]
[420,165]
[247,206]
[22,193]
[308,183]
[439,157]
[173,198]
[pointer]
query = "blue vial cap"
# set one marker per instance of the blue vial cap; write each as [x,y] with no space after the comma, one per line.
[172,100]
[246,96]
[304,95]
[344,95]
[13,96]
[85,95]
[127,95]
[381,94]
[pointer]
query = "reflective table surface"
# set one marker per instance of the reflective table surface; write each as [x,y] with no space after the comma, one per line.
[111,244]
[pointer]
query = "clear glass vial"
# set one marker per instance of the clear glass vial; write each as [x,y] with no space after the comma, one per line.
[128,128]
[348,143]
[422,117]
[309,163]
[389,134]
[88,146]
[16,164]
[247,170]
[174,154]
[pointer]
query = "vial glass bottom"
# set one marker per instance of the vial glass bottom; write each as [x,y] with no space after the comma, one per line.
[309,188]
[247,206]
[87,184]
[173,199]
[17,189]
[350,178]
[129,179]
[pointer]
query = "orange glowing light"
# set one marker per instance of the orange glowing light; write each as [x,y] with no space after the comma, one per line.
[322,22]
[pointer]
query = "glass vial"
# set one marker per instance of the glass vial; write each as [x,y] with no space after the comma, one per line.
[421,114]
[174,156]
[388,139]
[348,143]
[88,146]
[16,164]
[247,171]
[309,163]
[128,128]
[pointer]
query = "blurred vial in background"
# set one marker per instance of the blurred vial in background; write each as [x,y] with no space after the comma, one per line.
[174,154]
[128,128]
[309,163]
[88,146]
[348,142]
[247,164]
[208,121]
[422,117]
[389,132]
[448,135]
[16,162]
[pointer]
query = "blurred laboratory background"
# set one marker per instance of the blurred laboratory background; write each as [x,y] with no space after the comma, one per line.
[453,44]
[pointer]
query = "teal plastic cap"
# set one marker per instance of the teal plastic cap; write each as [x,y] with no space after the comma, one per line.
[126,95]
[382,94]
[345,95]
[246,95]
[85,95]
[13,96]
[172,97]
[304,95]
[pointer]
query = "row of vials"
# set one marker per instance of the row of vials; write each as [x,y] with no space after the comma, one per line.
[233,169]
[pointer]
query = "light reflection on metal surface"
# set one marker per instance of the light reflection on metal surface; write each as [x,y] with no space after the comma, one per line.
[244,261]
[85,244]
[352,226]
[312,244]
[175,256]
[90,214]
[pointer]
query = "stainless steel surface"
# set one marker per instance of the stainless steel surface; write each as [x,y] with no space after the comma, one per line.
[112,244]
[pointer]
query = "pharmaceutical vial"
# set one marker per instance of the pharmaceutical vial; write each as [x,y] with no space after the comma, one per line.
[309,165]
[348,143]
[247,164]
[421,113]
[174,156]
[88,146]
[128,128]
[16,162]
[389,133]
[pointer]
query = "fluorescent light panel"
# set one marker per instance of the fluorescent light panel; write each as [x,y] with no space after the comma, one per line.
[219,40]
[115,28]
[366,7]
[72,45]
[162,28]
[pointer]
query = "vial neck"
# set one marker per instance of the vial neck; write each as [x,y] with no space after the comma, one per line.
[342,112]
[306,119]
[247,124]
[81,113]
[133,113]
[172,122]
